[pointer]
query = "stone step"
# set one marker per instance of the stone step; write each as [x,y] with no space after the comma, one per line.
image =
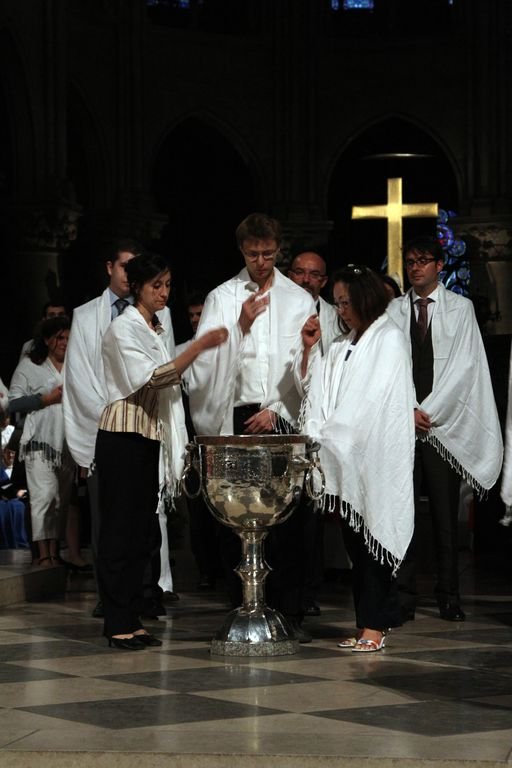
[20,581]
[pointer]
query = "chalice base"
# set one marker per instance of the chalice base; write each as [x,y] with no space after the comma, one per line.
[262,633]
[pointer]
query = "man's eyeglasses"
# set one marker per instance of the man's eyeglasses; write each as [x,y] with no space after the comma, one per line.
[254,255]
[422,261]
[313,273]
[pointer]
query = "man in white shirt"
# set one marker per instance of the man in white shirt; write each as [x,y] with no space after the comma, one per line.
[308,269]
[84,395]
[247,386]
[264,313]
[457,427]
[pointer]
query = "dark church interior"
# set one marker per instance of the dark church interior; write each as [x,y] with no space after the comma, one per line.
[169,121]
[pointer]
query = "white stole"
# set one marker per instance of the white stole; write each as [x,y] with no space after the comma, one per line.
[212,377]
[466,429]
[84,395]
[506,482]
[329,325]
[43,429]
[131,353]
[361,412]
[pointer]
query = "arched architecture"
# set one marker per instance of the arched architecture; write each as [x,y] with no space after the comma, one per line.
[204,187]
[393,147]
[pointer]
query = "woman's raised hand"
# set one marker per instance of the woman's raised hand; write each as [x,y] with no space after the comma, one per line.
[311,331]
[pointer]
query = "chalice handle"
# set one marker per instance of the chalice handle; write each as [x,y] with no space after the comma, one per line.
[309,484]
[191,447]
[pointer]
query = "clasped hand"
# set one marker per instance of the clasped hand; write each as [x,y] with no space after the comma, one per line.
[261,422]
[421,420]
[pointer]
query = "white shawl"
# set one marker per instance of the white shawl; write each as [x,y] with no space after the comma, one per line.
[131,353]
[361,412]
[212,377]
[4,396]
[43,429]
[84,396]
[466,429]
[329,325]
[506,482]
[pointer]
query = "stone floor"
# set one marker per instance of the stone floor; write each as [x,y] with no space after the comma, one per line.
[439,692]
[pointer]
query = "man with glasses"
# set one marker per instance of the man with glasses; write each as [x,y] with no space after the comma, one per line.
[457,428]
[308,269]
[248,386]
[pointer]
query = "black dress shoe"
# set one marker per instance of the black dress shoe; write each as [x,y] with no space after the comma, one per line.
[147,639]
[451,612]
[312,609]
[171,597]
[298,632]
[126,643]
[98,612]
[86,568]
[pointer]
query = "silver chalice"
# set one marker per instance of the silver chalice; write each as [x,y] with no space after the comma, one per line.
[250,483]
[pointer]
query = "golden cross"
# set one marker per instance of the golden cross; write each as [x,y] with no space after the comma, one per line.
[394,211]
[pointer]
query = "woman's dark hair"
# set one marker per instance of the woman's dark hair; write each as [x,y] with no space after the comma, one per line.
[366,290]
[143,268]
[47,329]
[388,280]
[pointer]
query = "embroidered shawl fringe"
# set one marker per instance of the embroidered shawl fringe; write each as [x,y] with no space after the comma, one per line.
[457,466]
[303,412]
[281,425]
[167,497]
[50,455]
[357,523]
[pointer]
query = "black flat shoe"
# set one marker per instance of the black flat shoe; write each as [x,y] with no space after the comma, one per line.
[126,643]
[298,632]
[147,639]
[86,568]
[451,612]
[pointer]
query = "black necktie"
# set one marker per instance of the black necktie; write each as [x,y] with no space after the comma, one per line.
[120,305]
[422,317]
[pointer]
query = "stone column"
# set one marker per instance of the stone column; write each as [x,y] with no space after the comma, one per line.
[43,213]
[131,213]
[488,228]
[295,40]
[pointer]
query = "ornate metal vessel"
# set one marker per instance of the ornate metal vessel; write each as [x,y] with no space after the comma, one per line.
[250,483]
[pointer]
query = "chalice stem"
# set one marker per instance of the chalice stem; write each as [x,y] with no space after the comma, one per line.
[253,569]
